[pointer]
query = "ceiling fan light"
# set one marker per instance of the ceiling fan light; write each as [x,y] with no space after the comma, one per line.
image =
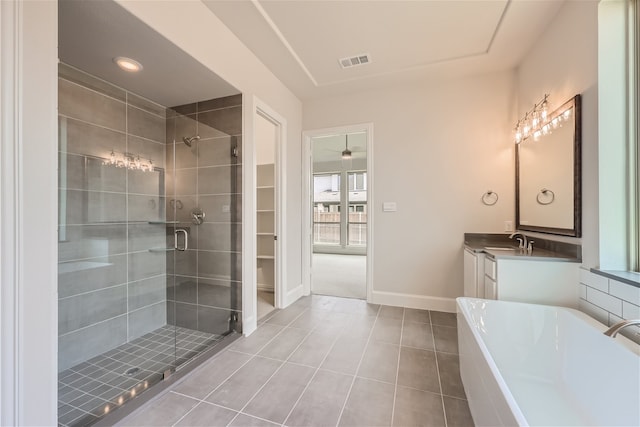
[346,154]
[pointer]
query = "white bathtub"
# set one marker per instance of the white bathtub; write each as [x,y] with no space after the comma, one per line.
[526,364]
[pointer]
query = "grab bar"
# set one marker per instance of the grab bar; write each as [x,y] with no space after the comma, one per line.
[186,239]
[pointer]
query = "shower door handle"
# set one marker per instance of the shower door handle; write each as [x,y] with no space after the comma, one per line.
[186,239]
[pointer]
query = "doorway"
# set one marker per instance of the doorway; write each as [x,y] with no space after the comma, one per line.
[339,211]
[267,135]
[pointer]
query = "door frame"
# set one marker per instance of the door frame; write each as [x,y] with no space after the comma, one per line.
[307,191]
[252,106]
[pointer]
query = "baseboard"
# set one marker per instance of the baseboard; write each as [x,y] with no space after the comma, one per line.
[414,301]
[264,287]
[293,295]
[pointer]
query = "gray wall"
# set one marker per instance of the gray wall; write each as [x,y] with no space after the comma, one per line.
[111,287]
[204,286]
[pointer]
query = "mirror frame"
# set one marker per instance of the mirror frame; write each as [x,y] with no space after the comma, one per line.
[576,231]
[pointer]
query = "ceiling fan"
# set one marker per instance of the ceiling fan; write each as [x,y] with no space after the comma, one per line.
[347,152]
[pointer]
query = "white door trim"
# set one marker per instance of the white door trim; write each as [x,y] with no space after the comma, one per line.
[28,213]
[253,106]
[307,223]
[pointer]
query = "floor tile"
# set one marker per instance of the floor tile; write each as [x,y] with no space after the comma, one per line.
[458,414]
[345,355]
[417,408]
[240,388]
[449,367]
[322,401]
[276,399]
[417,335]
[357,327]
[162,412]
[369,404]
[356,306]
[443,319]
[207,414]
[284,344]
[258,339]
[286,316]
[313,349]
[415,315]
[310,319]
[446,338]
[248,421]
[389,312]
[418,369]
[380,362]
[387,330]
[211,374]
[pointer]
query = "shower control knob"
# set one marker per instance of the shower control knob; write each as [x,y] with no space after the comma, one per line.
[197,216]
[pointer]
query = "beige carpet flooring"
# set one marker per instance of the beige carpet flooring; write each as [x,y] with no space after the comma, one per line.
[339,275]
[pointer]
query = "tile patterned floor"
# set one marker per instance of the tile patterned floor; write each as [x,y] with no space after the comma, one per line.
[325,361]
[93,388]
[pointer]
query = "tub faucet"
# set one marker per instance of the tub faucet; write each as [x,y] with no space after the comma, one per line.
[522,239]
[613,331]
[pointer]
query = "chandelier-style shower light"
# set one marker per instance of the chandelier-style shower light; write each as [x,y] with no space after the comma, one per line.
[538,121]
[128,161]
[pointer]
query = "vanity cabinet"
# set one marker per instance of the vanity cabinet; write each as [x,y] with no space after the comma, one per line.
[531,281]
[474,274]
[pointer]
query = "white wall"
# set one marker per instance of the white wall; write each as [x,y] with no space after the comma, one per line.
[438,146]
[266,135]
[563,63]
[209,41]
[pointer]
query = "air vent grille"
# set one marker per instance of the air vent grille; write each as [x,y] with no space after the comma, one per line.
[354,61]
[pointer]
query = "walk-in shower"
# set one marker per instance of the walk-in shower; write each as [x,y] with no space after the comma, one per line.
[149,239]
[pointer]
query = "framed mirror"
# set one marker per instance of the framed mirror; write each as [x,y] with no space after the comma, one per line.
[548,175]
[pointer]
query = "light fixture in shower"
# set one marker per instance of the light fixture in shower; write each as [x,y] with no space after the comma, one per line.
[128,161]
[128,64]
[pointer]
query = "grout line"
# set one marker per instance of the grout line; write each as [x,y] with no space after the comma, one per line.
[244,364]
[317,369]
[435,354]
[283,363]
[395,390]
[359,364]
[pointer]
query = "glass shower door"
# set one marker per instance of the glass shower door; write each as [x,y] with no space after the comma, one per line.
[202,276]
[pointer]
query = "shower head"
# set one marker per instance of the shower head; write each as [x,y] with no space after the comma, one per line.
[189,139]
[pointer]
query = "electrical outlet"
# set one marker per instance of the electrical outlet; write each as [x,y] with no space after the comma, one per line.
[508,226]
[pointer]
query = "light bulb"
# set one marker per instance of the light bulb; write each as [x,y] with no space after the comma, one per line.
[544,113]
[546,129]
[525,130]
[536,135]
[555,122]
[566,114]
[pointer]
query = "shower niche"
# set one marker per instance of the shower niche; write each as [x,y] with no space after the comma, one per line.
[149,275]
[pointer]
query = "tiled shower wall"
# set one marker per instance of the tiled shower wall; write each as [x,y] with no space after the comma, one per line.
[111,287]
[204,288]
[609,301]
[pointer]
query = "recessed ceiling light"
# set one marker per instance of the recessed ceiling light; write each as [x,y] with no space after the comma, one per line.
[128,64]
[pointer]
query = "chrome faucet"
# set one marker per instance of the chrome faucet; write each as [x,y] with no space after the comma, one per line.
[522,239]
[613,331]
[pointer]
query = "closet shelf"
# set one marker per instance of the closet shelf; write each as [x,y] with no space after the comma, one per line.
[265,234]
[264,210]
[265,257]
[265,187]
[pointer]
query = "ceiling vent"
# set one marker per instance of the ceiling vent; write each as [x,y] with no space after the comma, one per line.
[355,61]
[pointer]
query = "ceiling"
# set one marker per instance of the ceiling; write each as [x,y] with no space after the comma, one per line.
[92,33]
[302,41]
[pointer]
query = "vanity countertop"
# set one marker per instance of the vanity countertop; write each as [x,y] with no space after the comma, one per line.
[548,250]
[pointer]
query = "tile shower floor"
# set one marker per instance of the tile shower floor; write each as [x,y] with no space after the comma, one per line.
[93,388]
[325,361]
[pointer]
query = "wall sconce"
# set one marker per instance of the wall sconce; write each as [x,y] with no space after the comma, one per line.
[538,122]
[128,161]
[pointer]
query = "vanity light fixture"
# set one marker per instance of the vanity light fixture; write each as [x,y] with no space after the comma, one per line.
[538,121]
[128,64]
